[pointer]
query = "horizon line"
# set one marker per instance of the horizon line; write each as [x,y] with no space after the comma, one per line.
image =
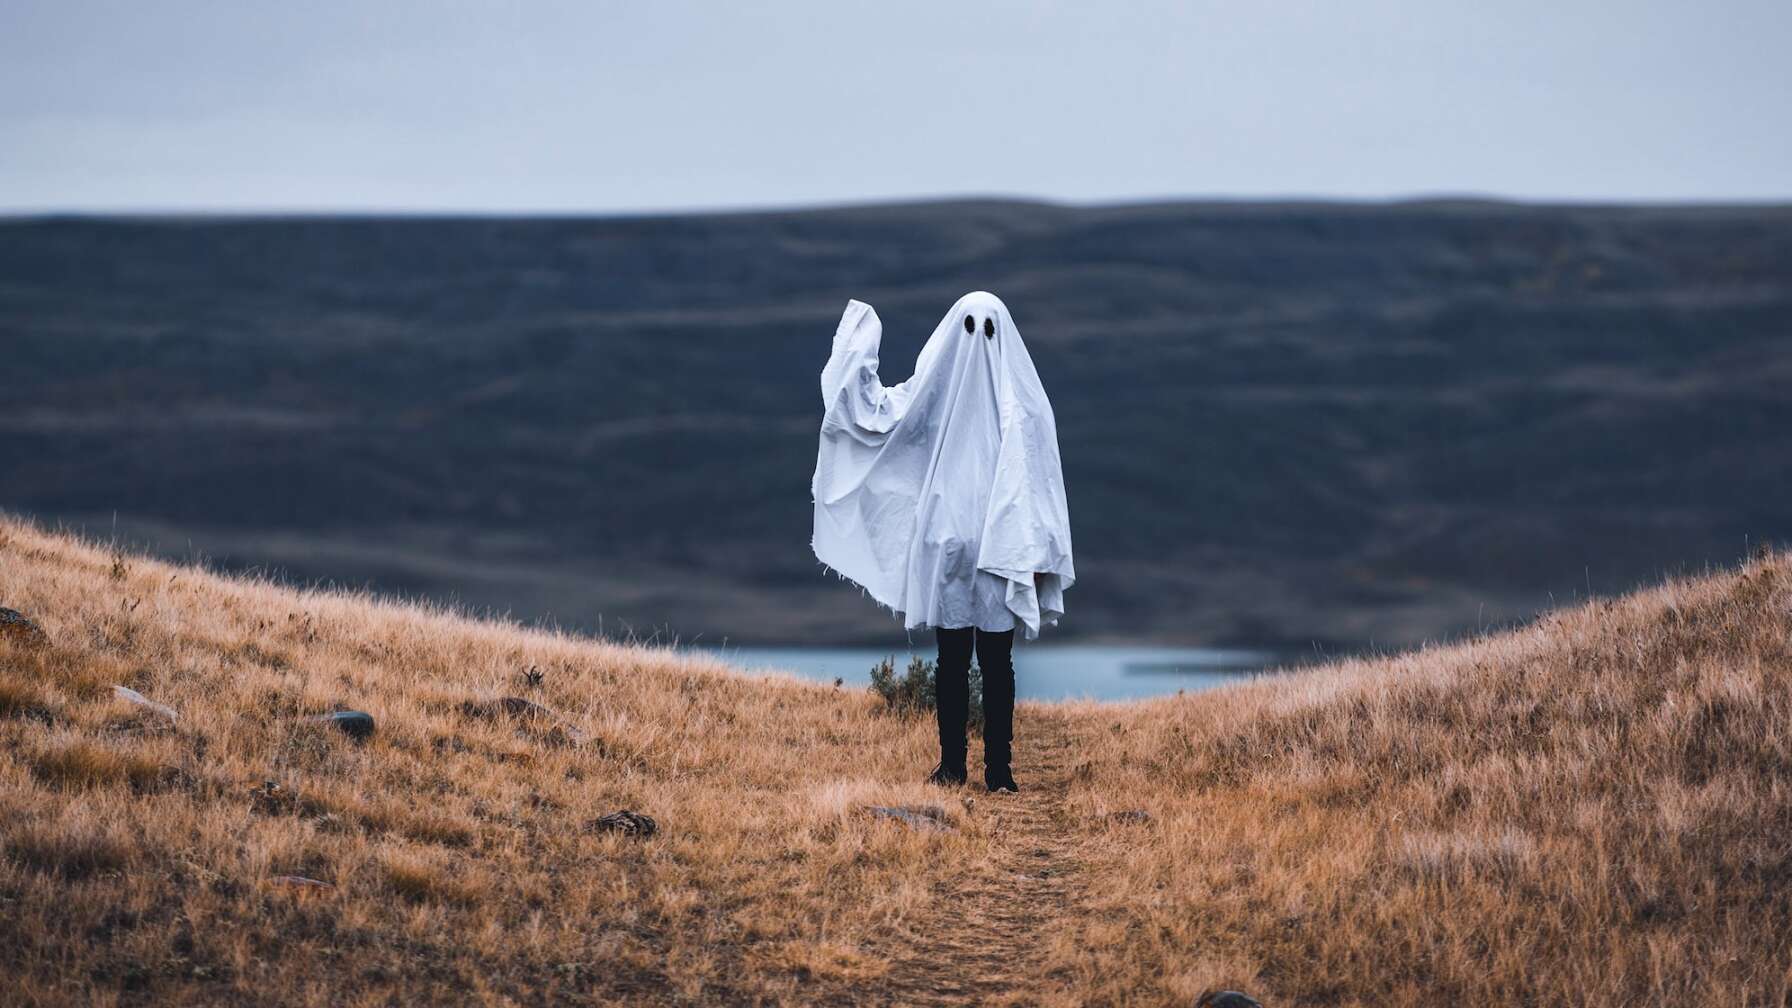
[1442,197]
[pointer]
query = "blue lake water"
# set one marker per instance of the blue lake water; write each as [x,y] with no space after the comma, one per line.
[1041,672]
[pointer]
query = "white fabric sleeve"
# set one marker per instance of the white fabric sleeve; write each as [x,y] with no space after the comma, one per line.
[853,398]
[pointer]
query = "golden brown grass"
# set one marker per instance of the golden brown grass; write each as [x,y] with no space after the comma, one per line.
[1593,809]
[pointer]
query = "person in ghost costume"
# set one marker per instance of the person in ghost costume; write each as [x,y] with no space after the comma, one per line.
[943,497]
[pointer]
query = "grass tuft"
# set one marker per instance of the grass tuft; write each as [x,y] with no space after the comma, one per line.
[422,880]
[74,848]
[23,700]
[79,764]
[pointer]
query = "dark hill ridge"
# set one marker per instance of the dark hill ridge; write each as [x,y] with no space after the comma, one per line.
[1279,422]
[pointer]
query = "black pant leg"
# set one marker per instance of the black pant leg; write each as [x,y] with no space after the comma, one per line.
[952,686]
[995,659]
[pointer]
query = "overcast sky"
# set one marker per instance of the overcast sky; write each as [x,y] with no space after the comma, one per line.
[592,106]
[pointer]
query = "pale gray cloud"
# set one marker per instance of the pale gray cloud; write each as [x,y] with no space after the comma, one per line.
[592,106]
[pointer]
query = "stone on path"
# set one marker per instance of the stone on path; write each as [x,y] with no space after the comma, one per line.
[139,700]
[625,822]
[15,626]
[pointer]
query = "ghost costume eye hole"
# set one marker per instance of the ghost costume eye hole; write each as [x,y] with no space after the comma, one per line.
[989,328]
[970,324]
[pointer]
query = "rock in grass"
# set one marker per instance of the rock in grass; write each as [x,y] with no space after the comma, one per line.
[1226,999]
[15,626]
[517,707]
[625,822]
[562,736]
[511,707]
[921,817]
[1129,816]
[271,798]
[299,885]
[137,699]
[355,724]
[558,732]
[172,778]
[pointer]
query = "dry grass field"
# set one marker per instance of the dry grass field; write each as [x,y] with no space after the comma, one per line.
[1593,809]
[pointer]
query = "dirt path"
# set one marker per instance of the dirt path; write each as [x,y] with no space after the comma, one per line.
[980,942]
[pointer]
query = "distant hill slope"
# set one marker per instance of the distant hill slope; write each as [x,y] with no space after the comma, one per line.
[1591,809]
[1280,423]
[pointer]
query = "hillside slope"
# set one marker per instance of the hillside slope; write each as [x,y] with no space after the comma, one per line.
[1280,422]
[1591,809]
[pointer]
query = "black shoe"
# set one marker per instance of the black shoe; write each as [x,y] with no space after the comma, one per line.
[946,776]
[1000,780]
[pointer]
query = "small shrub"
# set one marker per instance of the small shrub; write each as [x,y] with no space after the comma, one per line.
[915,691]
[910,694]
